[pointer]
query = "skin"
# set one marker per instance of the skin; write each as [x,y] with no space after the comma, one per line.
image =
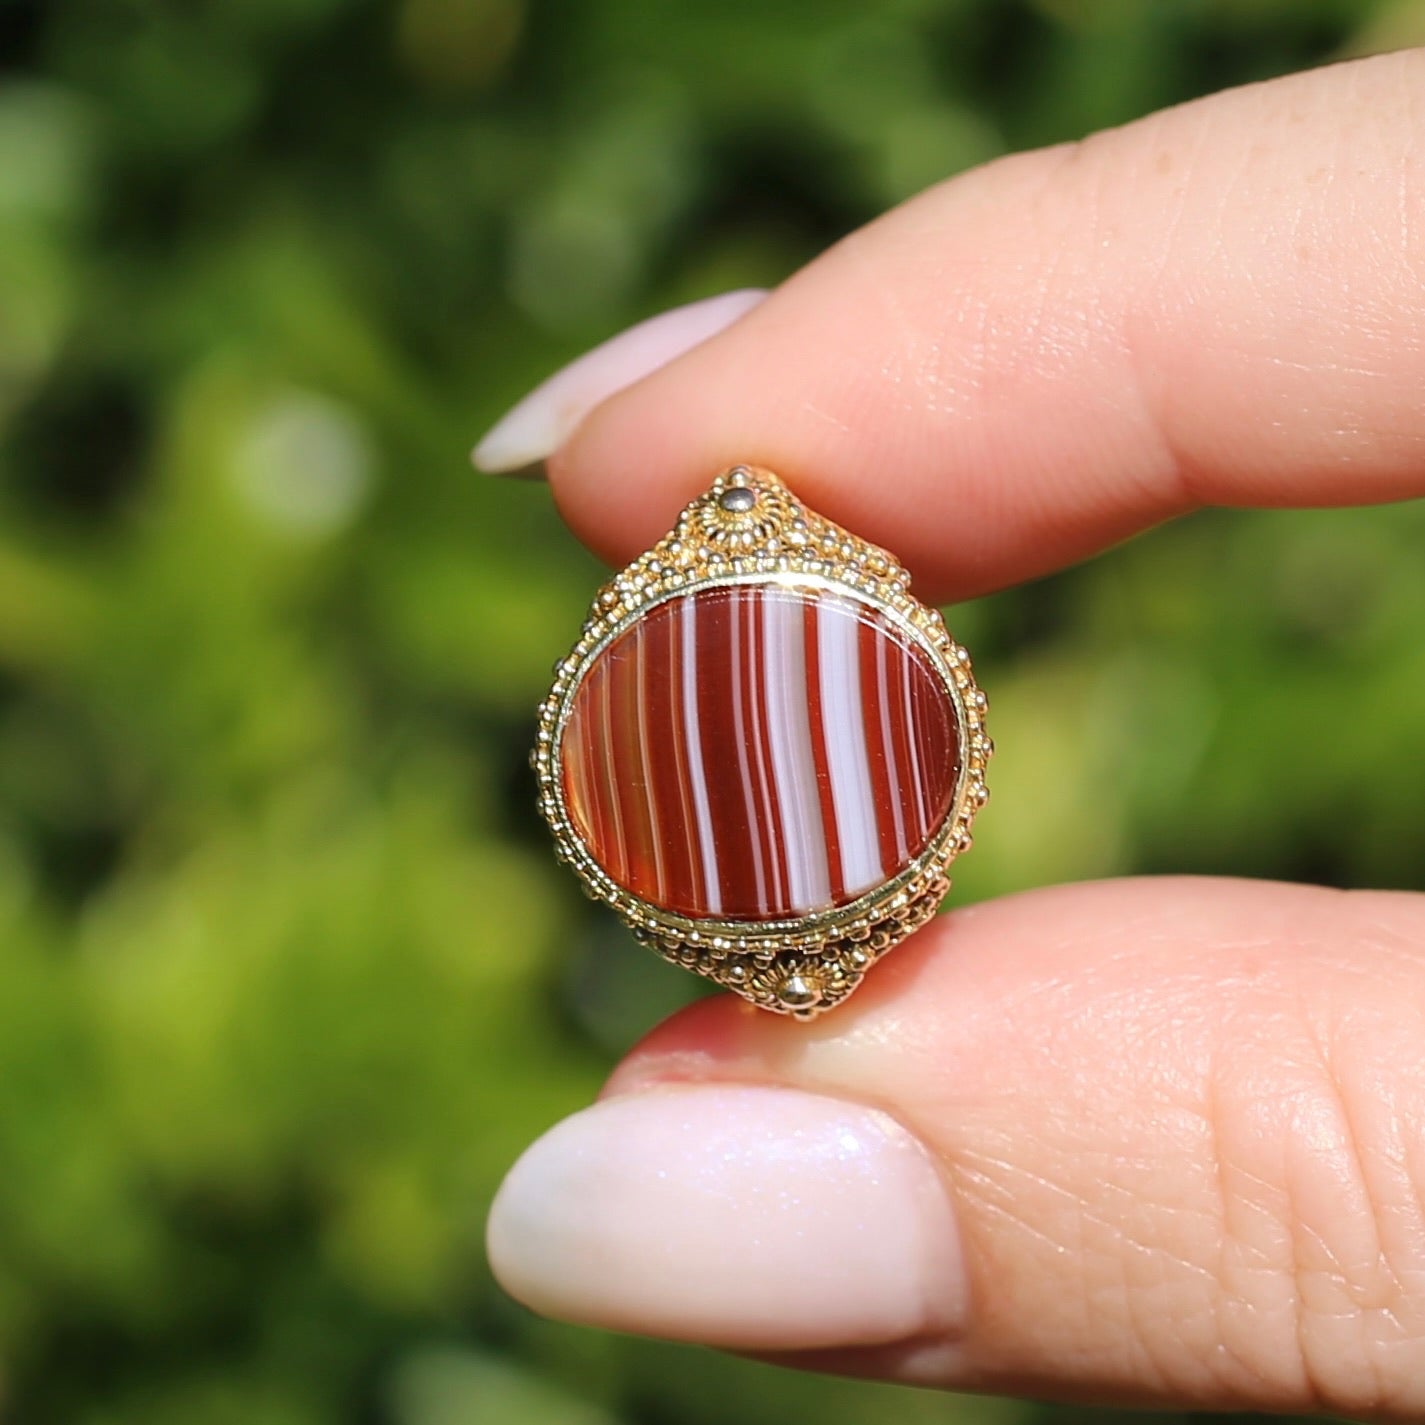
[1182,1122]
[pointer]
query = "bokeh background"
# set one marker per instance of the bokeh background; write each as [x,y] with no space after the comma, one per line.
[287,973]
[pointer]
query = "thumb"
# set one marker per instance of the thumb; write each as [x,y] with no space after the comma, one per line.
[1151,1141]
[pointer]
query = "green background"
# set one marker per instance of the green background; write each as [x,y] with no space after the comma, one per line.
[288,975]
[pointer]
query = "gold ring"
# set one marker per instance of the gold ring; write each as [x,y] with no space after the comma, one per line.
[763,752]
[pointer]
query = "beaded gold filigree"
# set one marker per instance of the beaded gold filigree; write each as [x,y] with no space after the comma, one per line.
[749,528]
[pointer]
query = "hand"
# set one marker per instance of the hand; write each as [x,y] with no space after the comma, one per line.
[1153,1140]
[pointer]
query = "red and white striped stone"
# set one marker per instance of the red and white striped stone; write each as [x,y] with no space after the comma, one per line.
[753,752]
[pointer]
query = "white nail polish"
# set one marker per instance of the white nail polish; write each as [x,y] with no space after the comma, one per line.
[538,425]
[746,1217]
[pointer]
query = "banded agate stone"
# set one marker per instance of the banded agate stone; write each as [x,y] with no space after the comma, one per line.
[757,752]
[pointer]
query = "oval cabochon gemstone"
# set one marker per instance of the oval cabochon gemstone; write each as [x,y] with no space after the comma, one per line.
[759,751]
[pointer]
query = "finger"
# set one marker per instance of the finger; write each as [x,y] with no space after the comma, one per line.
[1148,1141]
[1223,303]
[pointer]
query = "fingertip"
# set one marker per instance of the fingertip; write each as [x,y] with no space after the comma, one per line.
[750,1217]
[537,425]
[688,1045]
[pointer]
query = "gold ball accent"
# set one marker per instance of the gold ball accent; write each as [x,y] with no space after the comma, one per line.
[799,991]
[743,510]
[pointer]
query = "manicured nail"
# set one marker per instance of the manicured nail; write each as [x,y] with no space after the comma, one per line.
[746,1217]
[535,428]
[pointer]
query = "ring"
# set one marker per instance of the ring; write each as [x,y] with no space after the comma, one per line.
[763,753]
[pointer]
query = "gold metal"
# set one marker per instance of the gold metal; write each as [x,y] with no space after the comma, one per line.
[806,964]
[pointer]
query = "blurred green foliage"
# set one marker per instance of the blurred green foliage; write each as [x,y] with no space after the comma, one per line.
[287,975]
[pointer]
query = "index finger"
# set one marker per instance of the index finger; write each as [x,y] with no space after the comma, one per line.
[1221,304]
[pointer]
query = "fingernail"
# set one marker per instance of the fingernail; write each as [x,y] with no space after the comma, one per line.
[746,1217]
[538,425]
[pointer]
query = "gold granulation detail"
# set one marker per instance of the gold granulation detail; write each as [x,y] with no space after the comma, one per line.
[808,964]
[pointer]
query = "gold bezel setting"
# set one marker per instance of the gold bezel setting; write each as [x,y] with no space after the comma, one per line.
[807,964]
